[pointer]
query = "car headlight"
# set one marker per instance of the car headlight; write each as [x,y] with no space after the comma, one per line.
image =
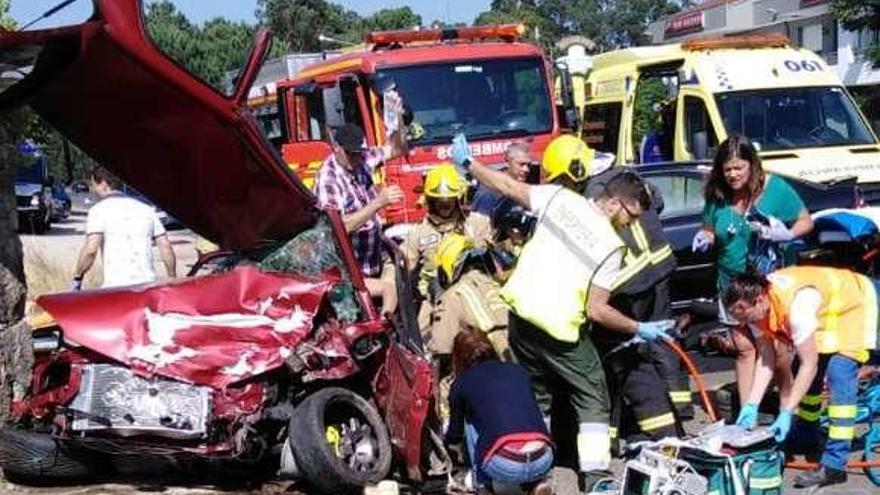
[35,200]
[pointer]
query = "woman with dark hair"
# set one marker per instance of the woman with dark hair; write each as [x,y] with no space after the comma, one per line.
[748,212]
[493,410]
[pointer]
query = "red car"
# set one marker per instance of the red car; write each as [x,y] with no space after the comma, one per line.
[278,363]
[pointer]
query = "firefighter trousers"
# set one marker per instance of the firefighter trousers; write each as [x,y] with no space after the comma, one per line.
[574,370]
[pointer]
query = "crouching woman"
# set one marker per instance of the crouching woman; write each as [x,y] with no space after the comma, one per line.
[493,410]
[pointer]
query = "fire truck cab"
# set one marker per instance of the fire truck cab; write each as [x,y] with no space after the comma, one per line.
[477,80]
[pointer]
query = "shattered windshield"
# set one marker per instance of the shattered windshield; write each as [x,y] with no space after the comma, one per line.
[311,254]
[789,118]
[484,99]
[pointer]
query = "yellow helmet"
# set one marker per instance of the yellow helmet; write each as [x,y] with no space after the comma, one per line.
[449,255]
[443,181]
[567,155]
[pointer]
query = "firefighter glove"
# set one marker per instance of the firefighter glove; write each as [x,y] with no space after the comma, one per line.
[653,330]
[461,152]
[748,415]
[782,425]
[702,242]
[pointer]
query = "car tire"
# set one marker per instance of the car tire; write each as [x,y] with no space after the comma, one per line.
[339,441]
[38,459]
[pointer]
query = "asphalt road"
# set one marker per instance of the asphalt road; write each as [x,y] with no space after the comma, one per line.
[60,247]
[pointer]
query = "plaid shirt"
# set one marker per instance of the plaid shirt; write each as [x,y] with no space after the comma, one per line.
[348,192]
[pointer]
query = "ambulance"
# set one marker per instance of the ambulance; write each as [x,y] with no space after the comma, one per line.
[678,102]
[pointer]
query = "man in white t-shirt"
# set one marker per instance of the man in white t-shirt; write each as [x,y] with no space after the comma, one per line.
[124,230]
[562,282]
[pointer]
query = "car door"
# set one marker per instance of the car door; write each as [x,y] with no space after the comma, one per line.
[682,189]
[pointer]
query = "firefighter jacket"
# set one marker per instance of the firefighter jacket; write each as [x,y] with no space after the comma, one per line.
[549,285]
[473,300]
[648,257]
[847,315]
[420,244]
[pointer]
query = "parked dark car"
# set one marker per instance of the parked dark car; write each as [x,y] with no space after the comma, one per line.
[33,198]
[682,187]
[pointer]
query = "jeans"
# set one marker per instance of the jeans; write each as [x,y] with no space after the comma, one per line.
[503,470]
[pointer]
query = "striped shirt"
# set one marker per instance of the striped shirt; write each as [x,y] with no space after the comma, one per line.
[349,191]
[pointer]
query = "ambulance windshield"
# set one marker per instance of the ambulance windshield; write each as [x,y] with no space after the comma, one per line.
[485,99]
[791,118]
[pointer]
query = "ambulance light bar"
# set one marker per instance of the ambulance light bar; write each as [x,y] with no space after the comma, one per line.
[507,32]
[774,40]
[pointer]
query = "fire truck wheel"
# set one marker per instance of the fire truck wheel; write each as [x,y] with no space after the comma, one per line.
[37,459]
[339,441]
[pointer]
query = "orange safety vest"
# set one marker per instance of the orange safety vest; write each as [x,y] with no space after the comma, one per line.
[847,315]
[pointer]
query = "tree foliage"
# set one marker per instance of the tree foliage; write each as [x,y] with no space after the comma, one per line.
[300,22]
[208,51]
[609,23]
[857,15]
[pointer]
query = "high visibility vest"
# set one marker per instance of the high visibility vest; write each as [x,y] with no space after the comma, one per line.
[550,283]
[847,315]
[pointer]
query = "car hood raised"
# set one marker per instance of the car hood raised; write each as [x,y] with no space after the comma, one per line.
[196,153]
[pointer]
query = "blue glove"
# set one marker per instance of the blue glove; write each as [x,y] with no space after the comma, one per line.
[653,330]
[748,416]
[460,151]
[782,425]
[701,243]
[76,284]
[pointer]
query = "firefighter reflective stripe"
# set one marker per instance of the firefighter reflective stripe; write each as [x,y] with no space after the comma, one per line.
[680,396]
[661,254]
[639,235]
[811,400]
[842,412]
[765,483]
[809,416]
[632,268]
[841,432]
[612,432]
[549,286]
[475,305]
[593,446]
[655,422]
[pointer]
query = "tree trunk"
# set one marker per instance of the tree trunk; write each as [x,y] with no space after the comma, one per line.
[16,355]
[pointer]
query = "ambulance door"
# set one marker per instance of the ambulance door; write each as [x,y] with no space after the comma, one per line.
[697,132]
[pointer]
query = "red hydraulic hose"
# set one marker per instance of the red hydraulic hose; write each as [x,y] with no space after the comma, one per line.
[695,375]
[710,410]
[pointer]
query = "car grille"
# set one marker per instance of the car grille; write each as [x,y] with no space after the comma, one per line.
[23,201]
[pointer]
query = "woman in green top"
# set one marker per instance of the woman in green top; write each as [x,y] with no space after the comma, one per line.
[738,191]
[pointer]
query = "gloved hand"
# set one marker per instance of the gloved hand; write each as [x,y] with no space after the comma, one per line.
[653,330]
[782,425]
[702,242]
[748,415]
[460,151]
[76,284]
[777,231]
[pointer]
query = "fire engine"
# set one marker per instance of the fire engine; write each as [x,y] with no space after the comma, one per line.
[480,81]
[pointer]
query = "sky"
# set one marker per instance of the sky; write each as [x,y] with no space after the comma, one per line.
[198,11]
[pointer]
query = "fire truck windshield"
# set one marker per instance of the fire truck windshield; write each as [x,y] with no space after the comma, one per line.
[485,99]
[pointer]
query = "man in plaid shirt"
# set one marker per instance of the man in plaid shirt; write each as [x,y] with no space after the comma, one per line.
[345,183]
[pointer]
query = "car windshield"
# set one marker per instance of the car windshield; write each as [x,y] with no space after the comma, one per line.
[483,99]
[789,118]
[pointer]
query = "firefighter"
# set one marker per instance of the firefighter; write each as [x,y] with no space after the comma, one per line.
[563,280]
[646,375]
[830,316]
[444,192]
[471,296]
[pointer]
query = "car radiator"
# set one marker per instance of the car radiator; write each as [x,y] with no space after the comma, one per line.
[113,399]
